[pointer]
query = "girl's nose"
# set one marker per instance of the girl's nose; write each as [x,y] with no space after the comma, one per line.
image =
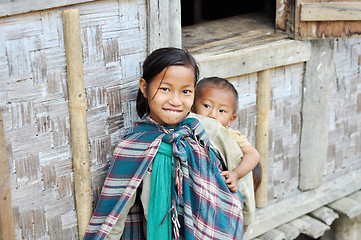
[175,100]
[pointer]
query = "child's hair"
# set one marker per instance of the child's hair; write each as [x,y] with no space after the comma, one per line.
[220,83]
[156,62]
[257,177]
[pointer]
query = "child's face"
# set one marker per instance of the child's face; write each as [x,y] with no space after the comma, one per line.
[170,99]
[216,103]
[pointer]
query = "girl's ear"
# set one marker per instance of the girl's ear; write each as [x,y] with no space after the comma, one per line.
[143,87]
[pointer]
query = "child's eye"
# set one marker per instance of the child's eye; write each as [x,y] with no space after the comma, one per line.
[206,106]
[164,89]
[187,91]
[222,111]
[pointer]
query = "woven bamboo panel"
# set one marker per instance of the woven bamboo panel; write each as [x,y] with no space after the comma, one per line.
[284,126]
[344,152]
[34,102]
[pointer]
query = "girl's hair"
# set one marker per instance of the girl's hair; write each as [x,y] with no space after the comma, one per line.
[220,83]
[155,63]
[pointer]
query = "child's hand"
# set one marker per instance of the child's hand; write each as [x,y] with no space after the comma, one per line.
[231,180]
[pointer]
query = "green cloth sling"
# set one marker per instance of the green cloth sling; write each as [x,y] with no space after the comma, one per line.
[159,224]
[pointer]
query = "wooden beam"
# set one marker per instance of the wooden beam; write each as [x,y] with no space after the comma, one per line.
[158,24]
[282,212]
[319,74]
[274,234]
[331,11]
[262,135]
[290,231]
[281,14]
[316,228]
[347,206]
[175,24]
[7,225]
[164,24]
[10,7]
[253,59]
[78,121]
[324,214]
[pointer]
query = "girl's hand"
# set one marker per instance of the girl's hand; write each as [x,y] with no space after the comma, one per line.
[231,178]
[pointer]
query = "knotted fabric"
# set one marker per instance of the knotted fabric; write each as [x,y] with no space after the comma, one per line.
[202,205]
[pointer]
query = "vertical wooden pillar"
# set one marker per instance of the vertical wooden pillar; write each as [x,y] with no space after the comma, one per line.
[164,24]
[263,111]
[7,225]
[78,122]
[320,73]
[158,24]
[175,27]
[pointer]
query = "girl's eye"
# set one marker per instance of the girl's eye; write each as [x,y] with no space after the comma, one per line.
[206,106]
[222,111]
[164,89]
[186,91]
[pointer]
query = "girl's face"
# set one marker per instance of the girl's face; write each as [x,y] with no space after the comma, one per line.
[170,99]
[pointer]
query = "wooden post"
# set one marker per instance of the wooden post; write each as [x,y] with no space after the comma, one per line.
[78,122]
[158,24]
[164,24]
[263,111]
[7,225]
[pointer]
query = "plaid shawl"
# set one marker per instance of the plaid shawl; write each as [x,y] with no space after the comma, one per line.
[206,207]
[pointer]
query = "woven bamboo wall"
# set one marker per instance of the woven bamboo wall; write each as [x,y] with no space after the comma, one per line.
[286,97]
[34,102]
[344,152]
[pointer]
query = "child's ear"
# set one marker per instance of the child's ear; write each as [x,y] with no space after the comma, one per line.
[143,87]
[231,119]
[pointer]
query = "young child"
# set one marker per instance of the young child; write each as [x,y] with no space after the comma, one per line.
[217,98]
[188,197]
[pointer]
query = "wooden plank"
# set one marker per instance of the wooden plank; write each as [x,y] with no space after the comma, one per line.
[269,55]
[7,224]
[274,234]
[324,214]
[300,224]
[10,7]
[158,24]
[316,228]
[355,196]
[309,30]
[348,206]
[213,33]
[164,24]
[281,14]
[78,120]
[319,72]
[290,231]
[275,215]
[175,24]
[331,11]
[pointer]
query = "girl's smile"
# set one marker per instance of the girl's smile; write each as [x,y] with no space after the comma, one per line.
[170,94]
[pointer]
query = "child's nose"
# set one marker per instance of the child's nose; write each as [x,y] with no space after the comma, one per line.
[212,113]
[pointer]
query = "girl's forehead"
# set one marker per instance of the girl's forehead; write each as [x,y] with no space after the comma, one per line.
[177,74]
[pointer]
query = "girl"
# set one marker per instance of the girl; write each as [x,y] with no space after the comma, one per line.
[187,197]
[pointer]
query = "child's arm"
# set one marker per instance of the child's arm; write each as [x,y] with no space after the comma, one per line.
[249,161]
